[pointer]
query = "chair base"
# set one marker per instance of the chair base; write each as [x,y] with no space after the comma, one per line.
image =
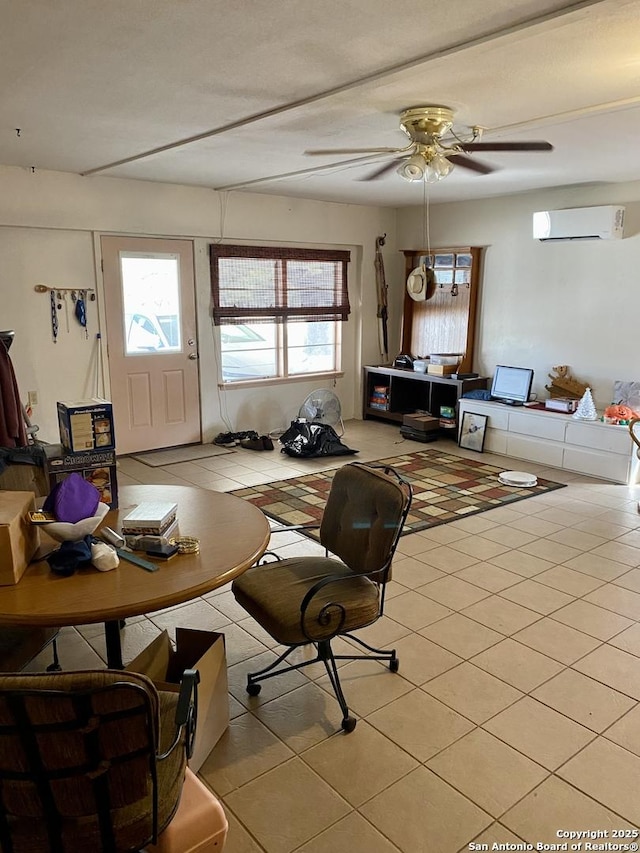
[328,658]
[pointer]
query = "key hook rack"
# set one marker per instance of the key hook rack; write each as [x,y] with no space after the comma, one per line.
[44,288]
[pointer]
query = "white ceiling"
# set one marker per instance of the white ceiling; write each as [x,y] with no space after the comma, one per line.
[235,92]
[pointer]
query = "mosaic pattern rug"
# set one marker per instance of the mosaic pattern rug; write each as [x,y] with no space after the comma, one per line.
[445,488]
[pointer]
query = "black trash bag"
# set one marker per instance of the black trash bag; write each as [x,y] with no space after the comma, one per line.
[305,439]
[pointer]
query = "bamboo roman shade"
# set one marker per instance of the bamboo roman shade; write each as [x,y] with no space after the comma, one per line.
[253,284]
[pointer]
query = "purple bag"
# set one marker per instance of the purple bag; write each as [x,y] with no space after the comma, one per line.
[73,499]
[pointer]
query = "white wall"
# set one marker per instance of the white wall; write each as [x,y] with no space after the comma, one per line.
[545,304]
[50,224]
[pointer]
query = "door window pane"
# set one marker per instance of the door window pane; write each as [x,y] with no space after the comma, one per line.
[151,303]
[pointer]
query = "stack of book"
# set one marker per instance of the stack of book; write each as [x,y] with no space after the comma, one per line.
[150,518]
[448,417]
[379,398]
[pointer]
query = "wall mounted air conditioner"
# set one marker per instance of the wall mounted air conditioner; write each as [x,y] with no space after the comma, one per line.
[580,223]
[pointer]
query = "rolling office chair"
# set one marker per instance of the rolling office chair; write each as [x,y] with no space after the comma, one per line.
[91,761]
[311,600]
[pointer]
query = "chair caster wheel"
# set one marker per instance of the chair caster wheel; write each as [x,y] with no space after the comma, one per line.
[394,664]
[54,667]
[349,724]
[254,689]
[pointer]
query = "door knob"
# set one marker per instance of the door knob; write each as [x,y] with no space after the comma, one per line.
[193,356]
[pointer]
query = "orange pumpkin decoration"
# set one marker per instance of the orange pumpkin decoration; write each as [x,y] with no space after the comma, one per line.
[620,413]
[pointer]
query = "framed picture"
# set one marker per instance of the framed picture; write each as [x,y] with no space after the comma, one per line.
[472,431]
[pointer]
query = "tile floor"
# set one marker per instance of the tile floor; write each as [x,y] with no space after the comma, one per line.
[516,710]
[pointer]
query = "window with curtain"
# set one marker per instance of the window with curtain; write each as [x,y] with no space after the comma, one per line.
[279,310]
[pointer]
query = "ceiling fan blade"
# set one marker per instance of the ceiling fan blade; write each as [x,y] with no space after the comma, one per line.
[468,163]
[506,146]
[322,151]
[392,164]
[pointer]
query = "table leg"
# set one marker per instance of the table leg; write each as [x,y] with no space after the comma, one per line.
[114,646]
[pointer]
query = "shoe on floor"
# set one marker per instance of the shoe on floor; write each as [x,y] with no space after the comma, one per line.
[267,443]
[225,439]
[252,443]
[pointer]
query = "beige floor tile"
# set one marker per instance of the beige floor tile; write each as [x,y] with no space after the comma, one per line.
[352,833]
[384,632]
[134,638]
[614,667]
[536,596]
[403,721]
[584,700]
[448,559]
[505,616]
[257,632]
[359,766]
[540,732]
[270,689]
[74,652]
[626,732]
[609,774]
[474,524]
[238,839]
[461,635]
[508,536]
[569,581]
[595,621]
[495,834]
[558,515]
[244,751]
[367,686]
[551,551]
[489,577]
[624,554]
[535,525]
[444,534]
[578,539]
[632,537]
[628,640]
[480,548]
[415,611]
[240,645]
[301,717]
[421,660]
[601,528]
[596,566]
[517,664]
[488,771]
[555,805]
[557,641]
[196,614]
[270,806]
[422,814]
[412,572]
[411,545]
[453,592]
[616,598]
[630,580]
[472,692]
[526,565]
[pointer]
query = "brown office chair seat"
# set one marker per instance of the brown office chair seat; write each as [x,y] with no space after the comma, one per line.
[273,593]
[83,763]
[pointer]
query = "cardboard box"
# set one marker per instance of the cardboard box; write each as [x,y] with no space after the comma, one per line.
[98,467]
[19,539]
[201,650]
[421,423]
[441,369]
[86,425]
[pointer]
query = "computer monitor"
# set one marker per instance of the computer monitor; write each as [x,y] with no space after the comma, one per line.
[511,385]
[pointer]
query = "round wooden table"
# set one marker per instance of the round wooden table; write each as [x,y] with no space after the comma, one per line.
[233,534]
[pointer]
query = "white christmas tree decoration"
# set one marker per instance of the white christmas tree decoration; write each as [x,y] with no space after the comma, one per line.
[586,410]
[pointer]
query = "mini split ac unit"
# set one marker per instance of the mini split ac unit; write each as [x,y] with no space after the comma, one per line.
[581,223]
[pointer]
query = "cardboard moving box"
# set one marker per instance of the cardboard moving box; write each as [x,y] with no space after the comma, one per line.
[201,650]
[19,539]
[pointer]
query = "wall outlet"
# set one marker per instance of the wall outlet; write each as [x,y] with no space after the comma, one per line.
[33,398]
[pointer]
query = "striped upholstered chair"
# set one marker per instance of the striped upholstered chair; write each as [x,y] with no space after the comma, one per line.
[311,600]
[90,761]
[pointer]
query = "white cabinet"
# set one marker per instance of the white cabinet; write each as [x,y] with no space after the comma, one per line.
[551,438]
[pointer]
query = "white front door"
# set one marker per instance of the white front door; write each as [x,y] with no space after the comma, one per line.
[149,294]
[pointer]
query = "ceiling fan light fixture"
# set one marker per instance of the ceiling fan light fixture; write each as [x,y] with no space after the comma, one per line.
[437,169]
[413,169]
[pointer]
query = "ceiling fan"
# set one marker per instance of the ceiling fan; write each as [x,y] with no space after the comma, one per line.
[435,148]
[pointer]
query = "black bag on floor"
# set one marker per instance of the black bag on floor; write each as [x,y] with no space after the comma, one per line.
[305,439]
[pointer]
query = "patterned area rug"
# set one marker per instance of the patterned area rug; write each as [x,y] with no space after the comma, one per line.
[445,488]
